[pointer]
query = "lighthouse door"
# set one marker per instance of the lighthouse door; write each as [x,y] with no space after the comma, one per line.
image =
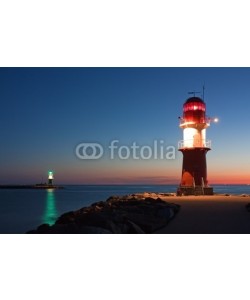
[187,179]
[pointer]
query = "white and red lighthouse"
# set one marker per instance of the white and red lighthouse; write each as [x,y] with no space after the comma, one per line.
[194,148]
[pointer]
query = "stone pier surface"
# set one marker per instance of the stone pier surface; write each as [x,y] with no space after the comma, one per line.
[222,214]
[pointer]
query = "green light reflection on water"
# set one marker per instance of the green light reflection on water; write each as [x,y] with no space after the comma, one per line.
[50,214]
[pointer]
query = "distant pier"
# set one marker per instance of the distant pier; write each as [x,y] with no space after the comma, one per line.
[32,187]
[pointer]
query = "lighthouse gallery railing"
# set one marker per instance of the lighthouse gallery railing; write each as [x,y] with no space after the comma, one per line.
[194,144]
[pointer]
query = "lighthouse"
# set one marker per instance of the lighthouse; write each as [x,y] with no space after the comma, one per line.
[50,178]
[194,148]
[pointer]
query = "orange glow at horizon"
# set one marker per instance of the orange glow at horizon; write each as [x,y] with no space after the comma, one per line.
[229,178]
[146,175]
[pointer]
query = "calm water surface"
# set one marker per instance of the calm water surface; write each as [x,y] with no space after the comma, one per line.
[22,210]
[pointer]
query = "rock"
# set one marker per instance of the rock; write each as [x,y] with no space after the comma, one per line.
[114,228]
[99,204]
[73,228]
[66,218]
[44,228]
[134,213]
[125,227]
[59,229]
[93,230]
[135,228]
[31,231]
[166,212]
[113,199]
[248,207]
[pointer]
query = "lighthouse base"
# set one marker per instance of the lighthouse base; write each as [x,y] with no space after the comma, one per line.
[197,190]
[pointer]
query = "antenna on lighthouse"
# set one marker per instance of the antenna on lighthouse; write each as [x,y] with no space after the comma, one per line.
[194,93]
[203,88]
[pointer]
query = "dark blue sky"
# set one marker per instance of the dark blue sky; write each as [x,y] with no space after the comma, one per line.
[46,112]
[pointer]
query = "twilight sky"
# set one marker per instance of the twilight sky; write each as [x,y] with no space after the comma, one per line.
[47,112]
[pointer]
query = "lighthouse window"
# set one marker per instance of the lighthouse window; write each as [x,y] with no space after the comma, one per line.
[194,106]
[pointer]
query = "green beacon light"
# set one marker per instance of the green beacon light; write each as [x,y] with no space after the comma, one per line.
[50,178]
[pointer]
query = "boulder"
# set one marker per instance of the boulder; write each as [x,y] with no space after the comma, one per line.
[44,228]
[134,228]
[126,214]
[93,230]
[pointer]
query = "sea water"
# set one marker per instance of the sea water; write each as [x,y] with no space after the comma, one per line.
[23,210]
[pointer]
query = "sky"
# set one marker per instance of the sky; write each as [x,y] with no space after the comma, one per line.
[46,112]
